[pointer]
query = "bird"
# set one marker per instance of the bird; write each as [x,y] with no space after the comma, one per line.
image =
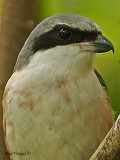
[56,106]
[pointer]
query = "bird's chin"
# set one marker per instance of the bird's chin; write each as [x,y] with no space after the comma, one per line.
[85,49]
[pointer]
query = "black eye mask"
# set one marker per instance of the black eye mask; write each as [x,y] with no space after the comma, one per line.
[62,35]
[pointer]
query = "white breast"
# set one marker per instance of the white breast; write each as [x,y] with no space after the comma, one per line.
[62,118]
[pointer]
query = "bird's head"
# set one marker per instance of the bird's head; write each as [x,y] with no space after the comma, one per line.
[64,40]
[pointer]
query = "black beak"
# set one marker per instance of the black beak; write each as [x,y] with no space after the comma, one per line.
[98,45]
[102,44]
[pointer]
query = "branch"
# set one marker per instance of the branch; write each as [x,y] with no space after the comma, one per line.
[109,149]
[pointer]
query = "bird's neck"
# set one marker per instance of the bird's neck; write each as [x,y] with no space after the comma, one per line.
[53,63]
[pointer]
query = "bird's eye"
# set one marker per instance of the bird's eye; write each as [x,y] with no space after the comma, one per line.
[64,33]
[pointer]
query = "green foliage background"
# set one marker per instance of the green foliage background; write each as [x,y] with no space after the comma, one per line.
[106,13]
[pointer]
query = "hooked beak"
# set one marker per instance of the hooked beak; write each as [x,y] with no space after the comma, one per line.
[100,45]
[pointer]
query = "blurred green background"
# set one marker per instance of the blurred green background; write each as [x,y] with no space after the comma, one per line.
[106,13]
